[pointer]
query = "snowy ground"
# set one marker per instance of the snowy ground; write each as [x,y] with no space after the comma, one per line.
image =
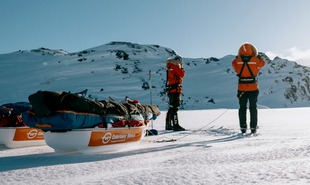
[280,154]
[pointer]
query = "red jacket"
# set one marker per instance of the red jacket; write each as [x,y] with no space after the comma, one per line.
[175,74]
[255,65]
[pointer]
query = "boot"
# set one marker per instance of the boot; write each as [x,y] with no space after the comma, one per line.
[178,128]
[168,121]
[243,130]
[175,121]
[168,126]
[253,130]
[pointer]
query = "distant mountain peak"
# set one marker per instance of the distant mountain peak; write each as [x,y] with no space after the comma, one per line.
[129,44]
[47,51]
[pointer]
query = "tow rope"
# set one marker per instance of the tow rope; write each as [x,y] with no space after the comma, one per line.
[200,129]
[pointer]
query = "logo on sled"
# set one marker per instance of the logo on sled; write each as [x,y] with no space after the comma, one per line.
[34,133]
[98,138]
[106,138]
[25,134]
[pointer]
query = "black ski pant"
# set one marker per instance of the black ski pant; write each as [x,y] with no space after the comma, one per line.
[174,104]
[244,98]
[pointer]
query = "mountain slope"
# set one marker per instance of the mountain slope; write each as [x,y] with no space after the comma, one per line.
[120,69]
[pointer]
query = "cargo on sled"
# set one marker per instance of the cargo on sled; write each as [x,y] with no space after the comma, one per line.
[13,131]
[74,123]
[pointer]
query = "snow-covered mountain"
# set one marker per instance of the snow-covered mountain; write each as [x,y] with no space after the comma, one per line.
[120,69]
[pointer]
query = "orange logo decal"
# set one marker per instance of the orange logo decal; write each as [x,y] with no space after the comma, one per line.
[32,134]
[26,134]
[108,137]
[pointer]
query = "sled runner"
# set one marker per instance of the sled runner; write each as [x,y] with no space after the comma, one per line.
[94,140]
[18,137]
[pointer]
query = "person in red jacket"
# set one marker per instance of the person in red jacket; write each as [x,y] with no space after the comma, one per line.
[175,74]
[247,66]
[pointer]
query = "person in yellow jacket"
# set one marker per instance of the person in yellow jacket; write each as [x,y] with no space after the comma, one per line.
[175,74]
[247,66]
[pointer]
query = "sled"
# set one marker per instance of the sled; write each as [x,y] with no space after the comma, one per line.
[19,137]
[94,140]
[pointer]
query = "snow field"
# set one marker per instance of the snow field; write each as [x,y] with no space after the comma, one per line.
[280,154]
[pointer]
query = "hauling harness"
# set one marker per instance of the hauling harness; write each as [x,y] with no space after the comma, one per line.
[246,80]
[173,86]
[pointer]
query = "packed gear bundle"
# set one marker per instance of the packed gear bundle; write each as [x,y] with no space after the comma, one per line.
[65,111]
[10,114]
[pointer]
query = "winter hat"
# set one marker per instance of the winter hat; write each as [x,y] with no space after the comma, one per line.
[247,49]
[178,57]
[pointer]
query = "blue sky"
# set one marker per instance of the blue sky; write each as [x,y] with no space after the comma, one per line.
[193,28]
